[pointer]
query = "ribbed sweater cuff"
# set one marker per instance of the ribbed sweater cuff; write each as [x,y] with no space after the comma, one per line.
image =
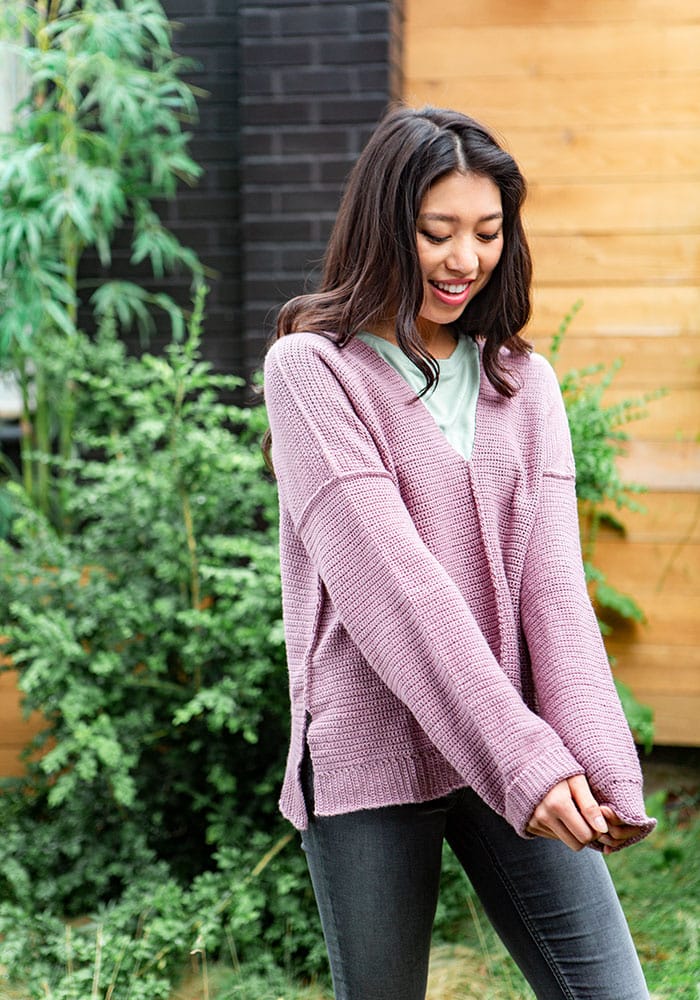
[532,784]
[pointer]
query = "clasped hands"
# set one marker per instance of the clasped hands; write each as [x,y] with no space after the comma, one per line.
[570,813]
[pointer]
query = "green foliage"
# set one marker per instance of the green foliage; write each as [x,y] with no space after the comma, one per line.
[455,892]
[132,948]
[96,142]
[597,430]
[139,580]
[659,886]
[150,638]
[640,717]
[598,438]
[138,944]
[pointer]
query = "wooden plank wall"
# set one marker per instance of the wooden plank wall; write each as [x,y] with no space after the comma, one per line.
[600,104]
[15,730]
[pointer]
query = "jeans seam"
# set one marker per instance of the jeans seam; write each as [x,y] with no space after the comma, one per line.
[338,956]
[536,936]
[308,791]
[339,952]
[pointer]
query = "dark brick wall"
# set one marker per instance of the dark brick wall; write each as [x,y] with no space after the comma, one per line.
[207,217]
[294,90]
[315,77]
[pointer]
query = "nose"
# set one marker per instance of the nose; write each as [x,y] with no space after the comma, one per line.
[463,259]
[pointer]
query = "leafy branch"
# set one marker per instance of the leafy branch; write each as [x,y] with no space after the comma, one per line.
[599,437]
[97,141]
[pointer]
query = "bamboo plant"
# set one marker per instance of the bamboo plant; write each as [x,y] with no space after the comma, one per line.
[95,145]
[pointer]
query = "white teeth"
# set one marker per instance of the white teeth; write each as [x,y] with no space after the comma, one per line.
[452,289]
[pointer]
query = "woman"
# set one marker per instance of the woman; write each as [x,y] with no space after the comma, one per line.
[447,674]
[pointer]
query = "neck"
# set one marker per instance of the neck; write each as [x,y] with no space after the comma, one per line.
[439,340]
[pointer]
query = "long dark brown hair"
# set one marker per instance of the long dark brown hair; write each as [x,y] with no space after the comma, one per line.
[371,268]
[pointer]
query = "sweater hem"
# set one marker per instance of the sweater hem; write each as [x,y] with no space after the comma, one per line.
[371,784]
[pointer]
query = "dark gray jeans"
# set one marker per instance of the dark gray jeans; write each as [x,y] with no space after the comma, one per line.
[376,876]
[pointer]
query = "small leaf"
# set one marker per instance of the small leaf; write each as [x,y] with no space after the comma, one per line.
[622,604]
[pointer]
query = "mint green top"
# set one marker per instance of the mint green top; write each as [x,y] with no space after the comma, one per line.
[452,402]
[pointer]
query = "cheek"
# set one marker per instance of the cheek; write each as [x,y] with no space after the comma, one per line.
[429,259]
[493,257]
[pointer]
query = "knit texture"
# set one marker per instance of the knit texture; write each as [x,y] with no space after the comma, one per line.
[438,627]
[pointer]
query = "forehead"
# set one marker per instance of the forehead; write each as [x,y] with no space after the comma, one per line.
[459,195]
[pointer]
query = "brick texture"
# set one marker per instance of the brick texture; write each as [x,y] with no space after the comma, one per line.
[207,217]
[315,77]
[294,90]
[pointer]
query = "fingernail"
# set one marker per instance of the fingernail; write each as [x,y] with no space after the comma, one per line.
[600,824]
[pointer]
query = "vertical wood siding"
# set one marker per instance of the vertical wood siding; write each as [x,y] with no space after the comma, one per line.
[599,103]
[15,730]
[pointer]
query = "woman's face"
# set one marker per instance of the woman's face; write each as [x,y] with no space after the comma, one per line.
[459,233]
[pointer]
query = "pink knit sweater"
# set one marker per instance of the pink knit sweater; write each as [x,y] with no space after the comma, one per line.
[438,628]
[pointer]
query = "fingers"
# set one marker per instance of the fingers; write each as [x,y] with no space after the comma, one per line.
[618,831]
[611,816]
[570,813]
[617,828]
[560,815]
[587,805]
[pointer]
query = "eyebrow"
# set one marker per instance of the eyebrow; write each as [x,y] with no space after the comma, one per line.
[438,217]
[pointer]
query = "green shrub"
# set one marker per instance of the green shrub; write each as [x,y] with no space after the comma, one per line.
[150,637]
[139,944]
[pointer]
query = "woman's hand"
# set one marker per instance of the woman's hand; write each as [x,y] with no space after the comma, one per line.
[618,831]
[569,813]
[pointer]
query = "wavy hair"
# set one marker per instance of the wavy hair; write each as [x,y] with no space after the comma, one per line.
[371,266]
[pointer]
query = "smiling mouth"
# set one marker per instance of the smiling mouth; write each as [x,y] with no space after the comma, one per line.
[452,288]
[451,293]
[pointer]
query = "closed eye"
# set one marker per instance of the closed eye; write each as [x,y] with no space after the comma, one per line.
[489,237]
[432,238]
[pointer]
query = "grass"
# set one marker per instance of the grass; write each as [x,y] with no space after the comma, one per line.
[659,886]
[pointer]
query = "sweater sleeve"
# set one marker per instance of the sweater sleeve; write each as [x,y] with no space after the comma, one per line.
[575,691]
[397,603]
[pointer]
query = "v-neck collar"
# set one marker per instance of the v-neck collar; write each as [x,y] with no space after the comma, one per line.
[403,393]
